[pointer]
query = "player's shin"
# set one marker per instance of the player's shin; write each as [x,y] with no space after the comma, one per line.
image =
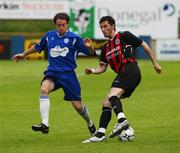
[44,109]
[104,121]
[85,115]
[117,107]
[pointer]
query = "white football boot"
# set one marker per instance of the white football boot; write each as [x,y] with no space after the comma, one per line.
[118,128]
[95,139]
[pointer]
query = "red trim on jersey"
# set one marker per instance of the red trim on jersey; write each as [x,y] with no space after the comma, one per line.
[115,54]
[107,49]
[115,63]
[120,49]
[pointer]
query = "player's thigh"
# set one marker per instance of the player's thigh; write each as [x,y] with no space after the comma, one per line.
[106,103]
[47,86]
[115,92]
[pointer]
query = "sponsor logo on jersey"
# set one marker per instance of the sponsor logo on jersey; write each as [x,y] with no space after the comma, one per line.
[66,40]
[52,38]
[117,41]
[58,51]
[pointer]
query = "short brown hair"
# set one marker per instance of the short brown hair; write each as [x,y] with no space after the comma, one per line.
[110,20]
[62,16]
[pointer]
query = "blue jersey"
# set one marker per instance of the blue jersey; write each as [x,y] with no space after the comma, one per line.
[61,50]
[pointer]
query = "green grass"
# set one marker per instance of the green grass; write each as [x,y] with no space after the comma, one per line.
[153,111]
[26,26]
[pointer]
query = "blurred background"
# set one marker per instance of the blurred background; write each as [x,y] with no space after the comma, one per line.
[23,23]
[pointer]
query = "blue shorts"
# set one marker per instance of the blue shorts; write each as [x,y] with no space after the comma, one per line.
[67,81]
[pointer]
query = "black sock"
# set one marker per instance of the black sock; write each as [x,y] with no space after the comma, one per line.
[105,117]
[104,120]
[117,106]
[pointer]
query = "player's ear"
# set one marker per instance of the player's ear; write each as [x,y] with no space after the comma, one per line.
[114,26]
[67,24]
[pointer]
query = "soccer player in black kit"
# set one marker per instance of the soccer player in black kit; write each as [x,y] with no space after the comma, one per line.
[118,53]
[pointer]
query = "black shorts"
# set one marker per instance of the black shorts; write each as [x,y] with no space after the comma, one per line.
[128,80]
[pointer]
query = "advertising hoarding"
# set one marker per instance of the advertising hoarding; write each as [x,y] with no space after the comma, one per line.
[168,50]
[13,9]
[159,19]
[5,51]
[28,44]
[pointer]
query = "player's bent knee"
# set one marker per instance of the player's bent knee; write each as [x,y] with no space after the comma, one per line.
[78,107]
[113,98]
[44,91]
[106,103]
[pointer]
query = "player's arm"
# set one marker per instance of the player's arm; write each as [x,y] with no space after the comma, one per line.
[101,69]
[136,42]
[102,65]
[148,50]
[18,57]
[41,45]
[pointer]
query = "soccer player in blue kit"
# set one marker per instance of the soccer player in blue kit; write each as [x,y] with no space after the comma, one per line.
[62,47]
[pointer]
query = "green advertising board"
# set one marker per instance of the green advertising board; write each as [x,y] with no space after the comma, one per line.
[82,17]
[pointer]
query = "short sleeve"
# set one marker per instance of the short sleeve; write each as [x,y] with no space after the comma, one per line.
[80,47]
[131,39]
[42,44]
[103,59]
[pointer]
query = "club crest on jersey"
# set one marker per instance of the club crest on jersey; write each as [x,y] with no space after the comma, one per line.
[66,40]
[58,51]
[117,41]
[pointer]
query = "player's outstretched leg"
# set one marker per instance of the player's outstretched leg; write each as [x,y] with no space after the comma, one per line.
[85,115]
[103,123]
[122,122]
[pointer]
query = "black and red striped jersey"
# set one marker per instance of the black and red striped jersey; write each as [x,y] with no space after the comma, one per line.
[120,50]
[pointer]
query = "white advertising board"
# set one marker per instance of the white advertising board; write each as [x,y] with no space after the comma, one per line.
[46,9]
[168,50]
[159,19]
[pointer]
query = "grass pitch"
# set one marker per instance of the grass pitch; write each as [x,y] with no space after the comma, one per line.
[153,111]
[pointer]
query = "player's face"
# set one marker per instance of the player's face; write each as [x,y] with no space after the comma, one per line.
[61,26]
[107,29]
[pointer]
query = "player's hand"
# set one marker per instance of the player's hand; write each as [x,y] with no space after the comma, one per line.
[158,68]
[89,70]
[17,57]
[88,42]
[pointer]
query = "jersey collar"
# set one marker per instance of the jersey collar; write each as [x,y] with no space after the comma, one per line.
[114,36]
[60,36]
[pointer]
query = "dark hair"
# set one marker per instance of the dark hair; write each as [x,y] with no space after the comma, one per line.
[62,16]
[110,20]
